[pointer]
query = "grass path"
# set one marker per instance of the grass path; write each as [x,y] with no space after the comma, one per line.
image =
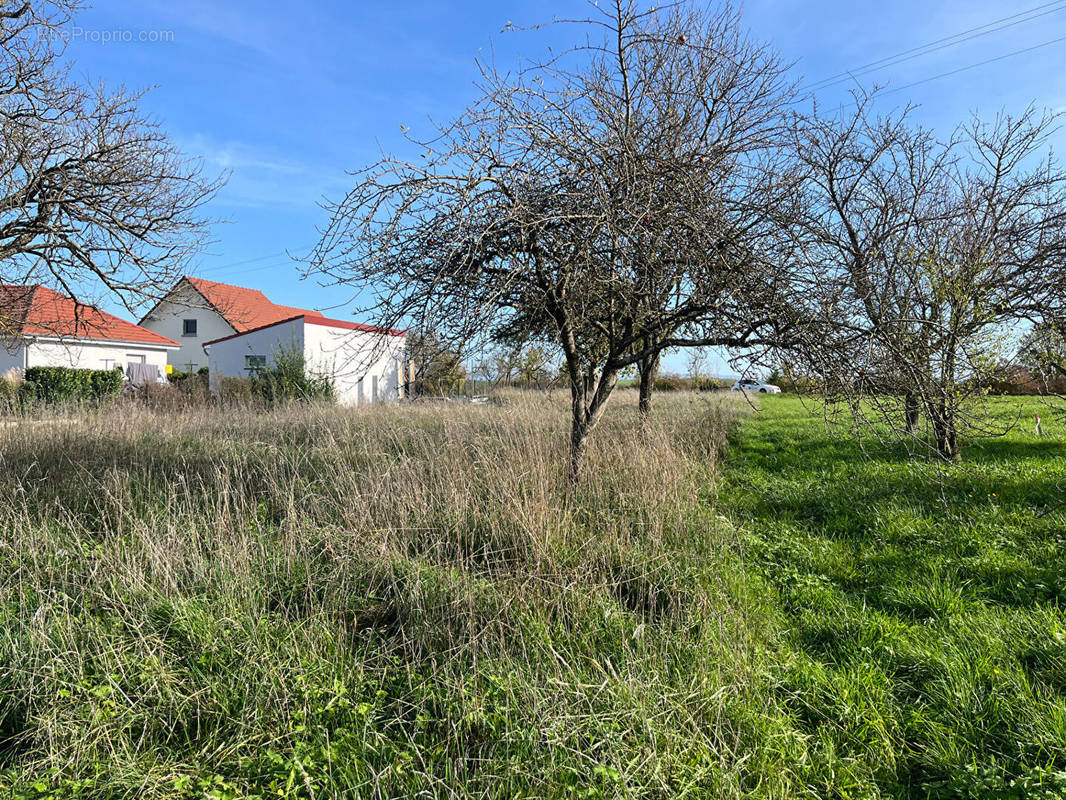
[921,645]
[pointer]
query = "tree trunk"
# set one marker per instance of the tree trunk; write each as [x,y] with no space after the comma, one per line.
[912,412]
[579,429]
[648,369]
[579,439]
[588,401]
[944,432]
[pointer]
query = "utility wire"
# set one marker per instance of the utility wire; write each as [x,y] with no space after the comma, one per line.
[248,261]
[978,64]
[283,254]
[940,44]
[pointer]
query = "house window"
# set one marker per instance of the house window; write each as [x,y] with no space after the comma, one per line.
[253,365]
[188,327]
[134,358]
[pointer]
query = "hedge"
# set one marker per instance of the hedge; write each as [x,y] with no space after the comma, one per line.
[59,384]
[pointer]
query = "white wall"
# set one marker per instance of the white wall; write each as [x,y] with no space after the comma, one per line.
[349,357]
[12,356]
[92,355]
[167,319]
[226,358]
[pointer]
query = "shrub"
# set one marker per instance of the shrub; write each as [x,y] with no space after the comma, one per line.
[287,380]
[104,382]
[61,384]
[669,383]
[235,391]
[708,384]
[176,396]
[9,393]
[1013,379]
[179,378]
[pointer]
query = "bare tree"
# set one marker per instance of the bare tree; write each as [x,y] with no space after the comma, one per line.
[622,196]
[920,257]
[697,364]
[1043,351]
[92,193]
[437,369]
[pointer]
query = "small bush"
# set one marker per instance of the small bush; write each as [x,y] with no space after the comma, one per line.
[64,384]
[179,378]
[669,383]
[707,384]
[675,383]
[9,393]
[104,383]
[287,381]
[235,391]
[1013,379]
[176,396]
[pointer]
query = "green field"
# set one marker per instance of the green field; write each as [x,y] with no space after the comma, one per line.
[405,601]
[921,642]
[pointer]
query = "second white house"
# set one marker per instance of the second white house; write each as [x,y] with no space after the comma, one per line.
[364,362]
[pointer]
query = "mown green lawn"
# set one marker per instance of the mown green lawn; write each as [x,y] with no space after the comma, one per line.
[921,643]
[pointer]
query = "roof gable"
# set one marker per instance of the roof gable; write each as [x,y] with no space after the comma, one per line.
[244,309]
[39,311]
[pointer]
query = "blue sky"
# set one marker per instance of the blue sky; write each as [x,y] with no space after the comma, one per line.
[287,97]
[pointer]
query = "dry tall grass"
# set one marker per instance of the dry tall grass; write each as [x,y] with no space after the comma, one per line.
[323,603]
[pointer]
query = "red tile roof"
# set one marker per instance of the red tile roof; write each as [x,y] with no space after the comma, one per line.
[353,326]
[317,319]
[38,311]
[245,309]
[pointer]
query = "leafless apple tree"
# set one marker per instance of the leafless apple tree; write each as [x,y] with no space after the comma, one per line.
[622,198]
[93,195]
[922,259]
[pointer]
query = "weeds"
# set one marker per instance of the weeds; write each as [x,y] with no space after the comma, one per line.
[407,601]
[317,602]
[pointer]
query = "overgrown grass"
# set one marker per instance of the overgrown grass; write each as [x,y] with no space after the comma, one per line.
[315,602]
[922,650]
[404,601]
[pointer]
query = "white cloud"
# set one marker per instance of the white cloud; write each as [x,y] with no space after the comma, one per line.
[259,176]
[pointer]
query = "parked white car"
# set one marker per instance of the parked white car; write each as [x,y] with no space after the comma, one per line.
[748,385]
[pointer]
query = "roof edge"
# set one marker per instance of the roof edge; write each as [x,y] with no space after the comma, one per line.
[354,326]
[169,344]
[325,322]
[253,330]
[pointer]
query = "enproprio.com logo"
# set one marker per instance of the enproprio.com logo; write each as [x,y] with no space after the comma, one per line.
[77,33]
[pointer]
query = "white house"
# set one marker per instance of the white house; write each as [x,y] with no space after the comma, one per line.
[42,328]
[196,311]
[364,362]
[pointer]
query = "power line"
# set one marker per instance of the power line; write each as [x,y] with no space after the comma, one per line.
[978,64]
[283,254]
[246,261]
[940,44]
[273,266]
